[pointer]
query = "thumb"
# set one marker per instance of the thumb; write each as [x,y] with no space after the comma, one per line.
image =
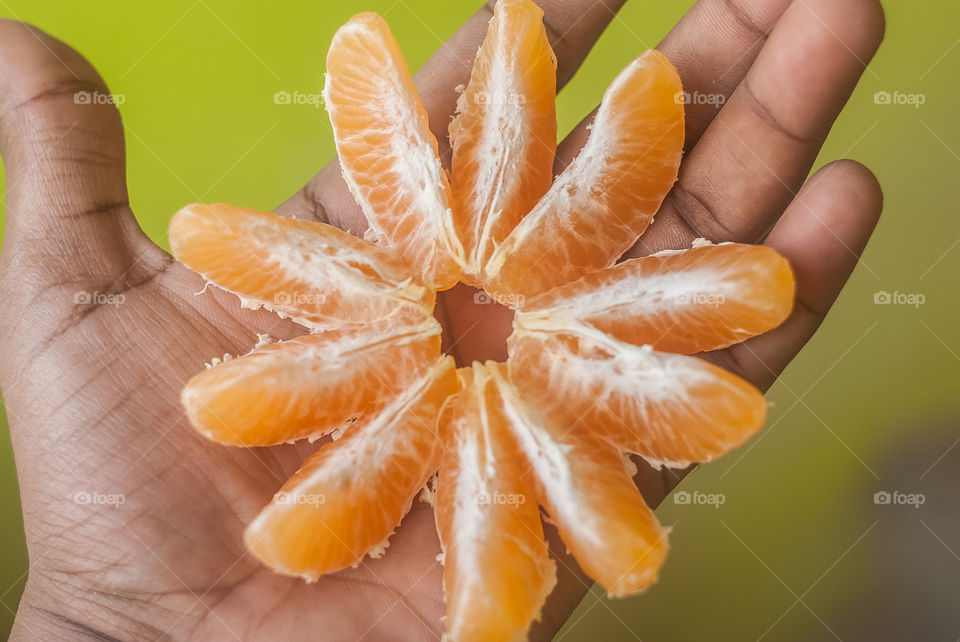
[69,224]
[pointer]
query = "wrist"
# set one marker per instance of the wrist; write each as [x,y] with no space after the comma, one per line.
[38,617]
[50,610]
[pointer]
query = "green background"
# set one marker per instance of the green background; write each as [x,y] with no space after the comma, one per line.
[798,550]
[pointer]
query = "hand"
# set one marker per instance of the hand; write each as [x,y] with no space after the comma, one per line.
[133,521]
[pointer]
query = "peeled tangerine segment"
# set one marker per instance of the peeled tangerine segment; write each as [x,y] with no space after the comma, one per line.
[606,197]
[583,483]
[316,274]
[387,152]
[504,136]
[705,298]
[309,386]
[348,497]
[497,569]
[670,409]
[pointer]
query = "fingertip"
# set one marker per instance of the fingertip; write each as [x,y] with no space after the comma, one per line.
[62,144]
[850,197]
[31,57]
[871,17]
[47,87]
[859,182]
[825,229]
[859,25]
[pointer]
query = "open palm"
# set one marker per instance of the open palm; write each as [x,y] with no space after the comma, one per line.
[134,522]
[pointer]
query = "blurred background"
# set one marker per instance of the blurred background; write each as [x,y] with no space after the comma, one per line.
[841,520]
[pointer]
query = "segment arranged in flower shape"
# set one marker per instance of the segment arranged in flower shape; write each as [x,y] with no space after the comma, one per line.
[671,409]
[387,152]
[600,359]
[504,135]
[686,301]
[497,568]
[310,386]
[603,201]
[349,496]
[316,274]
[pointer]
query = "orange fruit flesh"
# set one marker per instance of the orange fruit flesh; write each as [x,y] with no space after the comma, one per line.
[348,497]
[584,486]
[506,120]
[606,197]
[704,298]
[497,569]
[387,152]
[308,386]
[316,274]
[670,409]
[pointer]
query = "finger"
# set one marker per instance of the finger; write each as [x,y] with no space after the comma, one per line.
[712,47]
[572,27]
[68,216]
[822,234]
[756,153]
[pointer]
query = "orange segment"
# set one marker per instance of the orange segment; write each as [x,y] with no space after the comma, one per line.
[497,569]
[600,515]
[348,497]
[504,136]
[314,273]
[584,485]
[670,409]
[309,386]
[606,197]
[704,298]
[387,153]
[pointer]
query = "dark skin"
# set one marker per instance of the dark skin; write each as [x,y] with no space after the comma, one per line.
[92,391]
